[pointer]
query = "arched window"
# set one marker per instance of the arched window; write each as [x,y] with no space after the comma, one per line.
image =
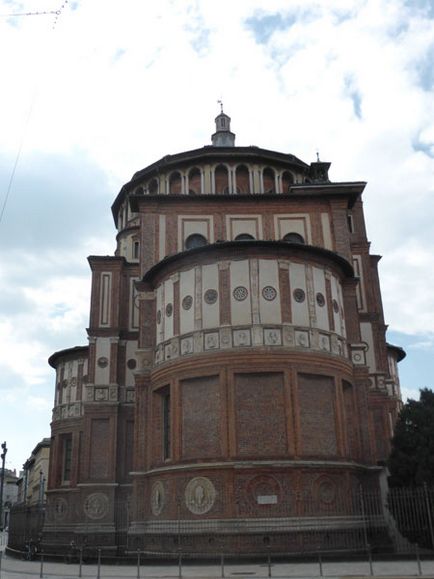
[194,182]
[242,178]
[153,187]
[195,240]
[287,181]
[175,183]
[268,180]
[244,237]
[139,191]
[221,180]
[293,238]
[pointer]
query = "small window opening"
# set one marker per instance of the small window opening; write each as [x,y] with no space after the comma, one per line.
[350,223]
[294,238]
[136,250]
[166,424]
[67,458]
[244,237]
[195,240]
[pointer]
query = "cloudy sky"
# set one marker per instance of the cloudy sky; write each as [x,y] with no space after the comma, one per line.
[108,87]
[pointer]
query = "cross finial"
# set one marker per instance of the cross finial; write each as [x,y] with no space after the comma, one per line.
[317,156]
[220,102]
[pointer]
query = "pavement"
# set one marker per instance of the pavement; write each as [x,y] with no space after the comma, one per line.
[12,568]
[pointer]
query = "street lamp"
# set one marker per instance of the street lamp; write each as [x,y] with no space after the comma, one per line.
[2,482]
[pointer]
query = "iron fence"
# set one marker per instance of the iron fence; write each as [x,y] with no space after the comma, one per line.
[400,521]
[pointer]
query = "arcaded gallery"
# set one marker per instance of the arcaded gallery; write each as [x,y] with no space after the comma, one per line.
[237,393]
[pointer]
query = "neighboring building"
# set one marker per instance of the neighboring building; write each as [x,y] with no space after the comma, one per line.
[237,362]
[32,482]
[10,496]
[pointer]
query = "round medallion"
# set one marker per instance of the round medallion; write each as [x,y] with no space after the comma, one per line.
[210,296]
[157,498]
[200,495]
[320,299]
[102,362]
[169,310]
[159,317]
[240,293]
[299,295]
[335,306]
[327,491]
[96,506]
[131,363]
[269,293]
[187,302]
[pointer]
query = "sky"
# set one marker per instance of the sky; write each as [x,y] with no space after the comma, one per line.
[104,88]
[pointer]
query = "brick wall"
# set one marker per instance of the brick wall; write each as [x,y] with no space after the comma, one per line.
[260,414]
[317,415]
[201,417]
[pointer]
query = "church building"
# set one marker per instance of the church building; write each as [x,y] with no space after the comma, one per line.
[237,376]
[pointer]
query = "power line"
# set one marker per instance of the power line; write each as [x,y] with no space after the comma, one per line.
[56,13]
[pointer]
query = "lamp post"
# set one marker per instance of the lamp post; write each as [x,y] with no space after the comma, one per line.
[2,482]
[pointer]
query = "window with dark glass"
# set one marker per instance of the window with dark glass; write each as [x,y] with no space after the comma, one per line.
[244,237]
[294,238]
[165,399]
[195,240]
[67,458]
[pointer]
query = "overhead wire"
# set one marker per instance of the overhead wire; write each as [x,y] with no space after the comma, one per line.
[56,13]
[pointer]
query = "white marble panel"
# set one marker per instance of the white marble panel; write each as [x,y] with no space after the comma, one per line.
[322,318]
[210,311]
[102,361]
[368,338]
[131,348]
[160,314]
[300,310]
[326,231]
[186,289]
[168,299]
[269,300]
[241,313]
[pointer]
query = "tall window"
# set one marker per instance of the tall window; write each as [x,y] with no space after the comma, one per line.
[166,424]
[67,458]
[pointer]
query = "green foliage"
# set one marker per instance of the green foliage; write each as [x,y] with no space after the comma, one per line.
[411,462]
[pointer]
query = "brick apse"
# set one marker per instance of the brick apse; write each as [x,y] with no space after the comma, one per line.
[237,360]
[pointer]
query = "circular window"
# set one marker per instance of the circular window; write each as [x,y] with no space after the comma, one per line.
[240,293]
[269,293]
[335,306]
[210,296]
[195,240]
[320,300]
[187,302]
[293,238]
[131,363]
[299,295]
[244,237]
[169,310]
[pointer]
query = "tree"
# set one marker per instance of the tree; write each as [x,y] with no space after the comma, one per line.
[411,462]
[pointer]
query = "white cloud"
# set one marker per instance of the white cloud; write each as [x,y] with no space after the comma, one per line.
[115,87]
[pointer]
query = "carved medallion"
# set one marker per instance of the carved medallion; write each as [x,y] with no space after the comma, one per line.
[210,296]
[169,310]
[200,495]
[96,506]
[320,299]
[157,498]
[269,293]
[102,362]
[187,302]
[299,295]
[240,293]
[335,306]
